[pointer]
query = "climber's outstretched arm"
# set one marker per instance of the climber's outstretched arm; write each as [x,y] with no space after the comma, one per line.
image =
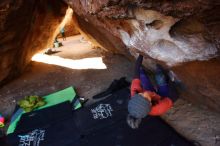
[137,67]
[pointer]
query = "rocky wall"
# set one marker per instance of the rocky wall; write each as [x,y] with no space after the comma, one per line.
[68,23]
[26,27]
[182,35]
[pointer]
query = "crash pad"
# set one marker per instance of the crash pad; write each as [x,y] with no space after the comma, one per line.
[104,123]
[67,94]
[98,124]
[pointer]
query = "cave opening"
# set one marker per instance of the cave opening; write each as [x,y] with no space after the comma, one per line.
[77,61]
[70,49]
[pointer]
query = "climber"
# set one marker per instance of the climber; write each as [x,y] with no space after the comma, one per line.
[145,99]
[62,31]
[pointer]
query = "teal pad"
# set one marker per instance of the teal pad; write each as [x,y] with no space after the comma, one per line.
[67,94]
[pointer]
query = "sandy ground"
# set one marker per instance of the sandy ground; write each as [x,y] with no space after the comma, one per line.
[41,79]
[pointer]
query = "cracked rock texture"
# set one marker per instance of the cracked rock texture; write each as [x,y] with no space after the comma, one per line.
[25,28]
[181,35]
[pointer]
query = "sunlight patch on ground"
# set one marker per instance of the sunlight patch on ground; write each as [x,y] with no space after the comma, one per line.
[86,63]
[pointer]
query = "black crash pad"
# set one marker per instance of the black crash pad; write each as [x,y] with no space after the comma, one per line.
[104,124]
[52,126]
[100,124]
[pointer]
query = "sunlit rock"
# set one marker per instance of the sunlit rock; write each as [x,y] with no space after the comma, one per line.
[181,35]
[184,36]
[26,27]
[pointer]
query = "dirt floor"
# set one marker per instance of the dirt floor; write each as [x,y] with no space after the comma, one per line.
[41,79]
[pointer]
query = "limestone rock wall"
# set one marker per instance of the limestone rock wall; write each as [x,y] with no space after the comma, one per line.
[181,35]
[26,26]
[70,29]
[68,24]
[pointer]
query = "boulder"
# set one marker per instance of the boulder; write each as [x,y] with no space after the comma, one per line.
[26,27]
[182,36]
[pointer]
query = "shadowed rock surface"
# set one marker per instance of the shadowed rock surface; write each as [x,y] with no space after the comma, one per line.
[41,79]
[26,27]
[183,36]
[175,34]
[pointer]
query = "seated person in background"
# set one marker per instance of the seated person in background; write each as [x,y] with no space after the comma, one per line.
[145,99]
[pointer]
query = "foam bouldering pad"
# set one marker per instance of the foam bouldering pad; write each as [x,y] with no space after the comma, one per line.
[39,118]
[67,94]
[53,125]
[152,132]
[104,123]
[62,133]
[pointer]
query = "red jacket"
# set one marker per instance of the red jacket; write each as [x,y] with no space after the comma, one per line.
[162,104]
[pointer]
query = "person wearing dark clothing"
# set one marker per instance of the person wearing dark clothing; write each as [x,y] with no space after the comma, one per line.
[147,100]
[62,31]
